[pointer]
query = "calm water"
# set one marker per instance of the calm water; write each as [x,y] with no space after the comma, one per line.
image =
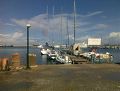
[115,53]
[7,52]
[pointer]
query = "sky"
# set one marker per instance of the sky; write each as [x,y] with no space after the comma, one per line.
[48,19]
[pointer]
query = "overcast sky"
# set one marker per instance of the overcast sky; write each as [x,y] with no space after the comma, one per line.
[94,18]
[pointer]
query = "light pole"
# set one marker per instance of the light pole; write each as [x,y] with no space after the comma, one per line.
[28,26]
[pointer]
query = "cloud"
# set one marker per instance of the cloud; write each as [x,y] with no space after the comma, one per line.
[114,35]
[11,38]
[37,22]
[10,24]
[4,35]
[21,22]
[95,27]
[45,25]
[112,38]
[101,26]
[16,35]
[48,26]
[92,14]
[1,25]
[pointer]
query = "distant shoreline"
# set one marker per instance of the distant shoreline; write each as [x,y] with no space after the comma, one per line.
[17,46]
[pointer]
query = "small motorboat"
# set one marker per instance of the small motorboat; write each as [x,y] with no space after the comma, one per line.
[52,54]
[44,51]
[63,59]
[40,46]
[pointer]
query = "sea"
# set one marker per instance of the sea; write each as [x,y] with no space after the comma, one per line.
[42,59]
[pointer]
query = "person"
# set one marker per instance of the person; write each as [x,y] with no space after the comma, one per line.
[111,58]
[92,56]
[97,57]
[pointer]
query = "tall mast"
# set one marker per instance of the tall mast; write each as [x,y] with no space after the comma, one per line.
[61,25]
[47,22]
[67,33]
[74,19]
[53,32]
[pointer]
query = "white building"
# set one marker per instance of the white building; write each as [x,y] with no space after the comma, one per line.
[94,41]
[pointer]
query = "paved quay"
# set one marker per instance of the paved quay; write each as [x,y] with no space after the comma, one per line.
[78,77]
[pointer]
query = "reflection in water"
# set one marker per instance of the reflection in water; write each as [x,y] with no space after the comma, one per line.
[44,59]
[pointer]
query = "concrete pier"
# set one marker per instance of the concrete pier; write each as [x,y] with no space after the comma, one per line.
[85,77]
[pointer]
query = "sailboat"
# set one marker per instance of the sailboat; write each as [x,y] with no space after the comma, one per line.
[75,45]
[45,50]
[74,19]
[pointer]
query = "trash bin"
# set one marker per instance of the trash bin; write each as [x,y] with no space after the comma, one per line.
[32,59]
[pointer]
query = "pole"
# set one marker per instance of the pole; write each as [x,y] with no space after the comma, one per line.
[61,28]
[74,19]
[47,24]
[28,67]
[53,32]
[67,33]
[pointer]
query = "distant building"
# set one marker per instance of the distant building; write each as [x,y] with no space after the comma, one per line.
[1,45]
[57,46]
[94,41]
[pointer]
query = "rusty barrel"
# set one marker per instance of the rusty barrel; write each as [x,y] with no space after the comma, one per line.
[4,64]
[0,64]
[16,60]
[32,59]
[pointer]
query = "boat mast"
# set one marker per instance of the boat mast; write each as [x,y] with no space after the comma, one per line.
[61,25]
[74,19]
[47,23]
[53,32]
[67,33]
